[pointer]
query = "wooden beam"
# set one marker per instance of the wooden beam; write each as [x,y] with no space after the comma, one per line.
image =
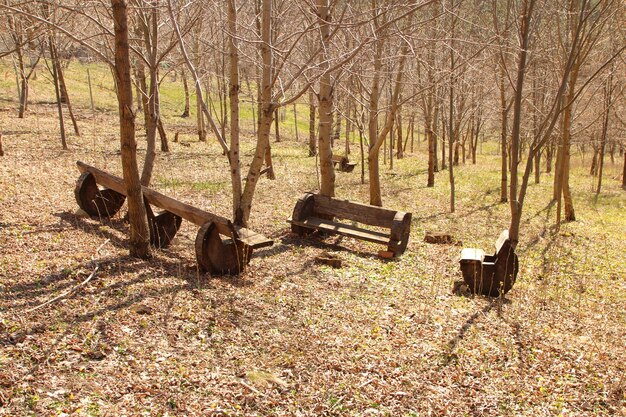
[187,212]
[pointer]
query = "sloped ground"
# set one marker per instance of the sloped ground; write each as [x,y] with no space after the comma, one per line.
[290,337]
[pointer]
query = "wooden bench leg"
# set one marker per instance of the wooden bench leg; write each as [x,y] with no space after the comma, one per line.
[218,255]
[302,210]
[96,202]
[163,228]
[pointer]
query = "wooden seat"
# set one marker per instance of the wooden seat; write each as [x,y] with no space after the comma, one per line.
[317,212]
[344,164]
[491,275]
[221,247]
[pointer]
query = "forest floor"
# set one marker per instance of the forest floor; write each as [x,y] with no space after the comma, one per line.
[290,337]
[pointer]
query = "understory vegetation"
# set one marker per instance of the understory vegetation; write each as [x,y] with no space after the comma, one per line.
[289,336]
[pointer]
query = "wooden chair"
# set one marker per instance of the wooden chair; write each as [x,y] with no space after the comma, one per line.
[344,164]
[491,275]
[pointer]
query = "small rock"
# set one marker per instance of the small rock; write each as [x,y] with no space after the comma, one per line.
[385,254]
[142,309]
[96,355]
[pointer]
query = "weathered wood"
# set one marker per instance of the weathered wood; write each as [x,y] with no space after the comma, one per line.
[438,238]
[344,164]
[317,212]
[491,275]
[343,229]
[163,227]
[362,213]
[218,255]
[186,211]
[95,202]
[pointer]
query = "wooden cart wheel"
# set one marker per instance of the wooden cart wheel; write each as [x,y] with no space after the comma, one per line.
[218,255]
[302,210]
[163,228]
[96,202]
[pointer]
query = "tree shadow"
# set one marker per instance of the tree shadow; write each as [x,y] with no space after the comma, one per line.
[450,355]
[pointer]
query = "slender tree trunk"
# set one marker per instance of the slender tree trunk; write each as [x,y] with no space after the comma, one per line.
[608,95]
[312,110]
[276,129]
[57,92]
[327,170]
[139,235]
[233,95]
[504,111]
[516,206]
[295,122]
[187,96]
[265,115]
[400,153]
[65,97]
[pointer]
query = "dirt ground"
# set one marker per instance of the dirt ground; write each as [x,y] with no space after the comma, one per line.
[290,337]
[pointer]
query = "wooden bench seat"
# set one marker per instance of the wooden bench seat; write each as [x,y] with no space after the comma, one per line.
[221,247]
[343,163]
[491,275]
[316,212]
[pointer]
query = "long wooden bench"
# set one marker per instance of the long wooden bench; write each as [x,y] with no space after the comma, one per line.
[221,247]
[343,163]
[491,275]
[317,212]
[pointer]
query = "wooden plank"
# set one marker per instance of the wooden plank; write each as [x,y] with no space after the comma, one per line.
[362,213]
[253,239]
[343,229]
[187,212]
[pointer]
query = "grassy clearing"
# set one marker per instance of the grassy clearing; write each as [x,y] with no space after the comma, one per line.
[291,337]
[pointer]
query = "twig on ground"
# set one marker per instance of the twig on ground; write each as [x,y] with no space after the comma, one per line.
[75,288]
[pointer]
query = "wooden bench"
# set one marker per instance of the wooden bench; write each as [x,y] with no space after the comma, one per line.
[221,247]
[491,275]
[317,212]
[344,164]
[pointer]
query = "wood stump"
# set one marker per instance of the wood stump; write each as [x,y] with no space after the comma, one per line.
[438,238]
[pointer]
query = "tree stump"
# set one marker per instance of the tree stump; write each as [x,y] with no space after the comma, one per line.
[438,238]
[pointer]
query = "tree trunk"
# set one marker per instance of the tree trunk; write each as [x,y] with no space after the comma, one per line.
[265,115]
[312,110]
[186,88]
[57,92]
[327,171]
[65,97]
[276,129]
[504,114]
[139,235]
[233,95]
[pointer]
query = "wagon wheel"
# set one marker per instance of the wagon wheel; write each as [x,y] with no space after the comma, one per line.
[302,210]
[163,228]
[218,255]
[96,202]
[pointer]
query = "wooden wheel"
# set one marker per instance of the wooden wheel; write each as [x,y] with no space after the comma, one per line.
[96,202]
[163,228]
[218,255]
[302,210]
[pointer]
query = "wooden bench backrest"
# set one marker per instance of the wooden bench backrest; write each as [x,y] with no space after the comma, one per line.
[502,242]
[362,213]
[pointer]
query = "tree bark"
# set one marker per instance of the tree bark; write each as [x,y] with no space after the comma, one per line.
[327,171]
[186,88]
[233,95]
[312,111]
[139,235]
